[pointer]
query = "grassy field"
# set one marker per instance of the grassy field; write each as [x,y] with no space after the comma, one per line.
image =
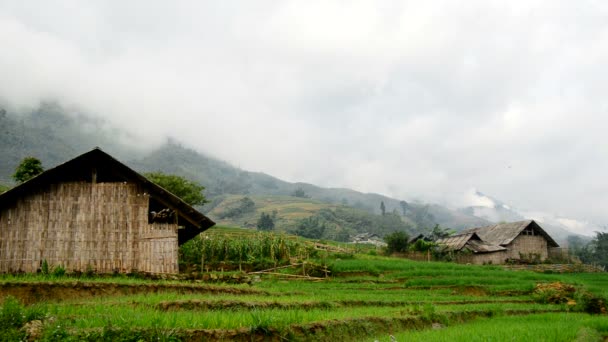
[289,209]
[366,298]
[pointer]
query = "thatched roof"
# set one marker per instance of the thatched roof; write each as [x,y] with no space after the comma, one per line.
[456,242]
[469,241]
[504,233]
[108,169]
[418,237]
[482,247]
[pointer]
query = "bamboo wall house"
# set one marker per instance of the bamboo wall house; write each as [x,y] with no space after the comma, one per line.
[524,240]
[94,213]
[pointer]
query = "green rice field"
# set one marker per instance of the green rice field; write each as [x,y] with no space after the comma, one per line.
[365,298]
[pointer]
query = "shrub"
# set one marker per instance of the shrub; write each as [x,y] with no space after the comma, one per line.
[11,314]
[59,271]
[396,242]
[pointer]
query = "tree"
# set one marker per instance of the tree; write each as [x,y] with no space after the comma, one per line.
[299,192]
[382,208]
[598,248]
[236,209]
[396,242]
[265,222]
[190,192]
[27,169]
[403,205]
[439,233]
[311,227]
[4,188]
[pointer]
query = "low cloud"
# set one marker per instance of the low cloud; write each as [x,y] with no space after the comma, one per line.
[407,99]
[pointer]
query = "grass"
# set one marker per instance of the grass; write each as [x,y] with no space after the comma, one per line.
[367,296]
[536,327]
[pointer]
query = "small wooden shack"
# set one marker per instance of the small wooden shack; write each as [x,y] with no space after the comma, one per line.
[523,240]
[94,213]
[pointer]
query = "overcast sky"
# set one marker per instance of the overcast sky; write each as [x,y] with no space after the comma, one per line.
[412,99]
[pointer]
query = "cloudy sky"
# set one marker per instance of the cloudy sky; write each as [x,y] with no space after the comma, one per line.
[412,99]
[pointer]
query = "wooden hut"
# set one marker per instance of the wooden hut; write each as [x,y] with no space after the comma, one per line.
[523,240]
[470,248]
[94,213]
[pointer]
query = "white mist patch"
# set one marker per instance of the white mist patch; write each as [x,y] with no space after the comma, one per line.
[575,226]
[473,198]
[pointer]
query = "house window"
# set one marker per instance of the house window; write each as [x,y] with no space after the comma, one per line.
[528,231]
[159,213]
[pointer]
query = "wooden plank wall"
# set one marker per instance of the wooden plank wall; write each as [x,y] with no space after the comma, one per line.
[80,226]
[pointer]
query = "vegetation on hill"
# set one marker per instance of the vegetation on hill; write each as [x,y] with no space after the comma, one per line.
[55,135]
[306,217]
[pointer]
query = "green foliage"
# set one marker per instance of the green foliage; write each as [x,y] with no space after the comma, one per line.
[534,327]
[311,227]
[111,333]
[59,271]
[340,224]
[599,249]
[299,192]
[404,206]
[421,245]
[242,206]
[439,233]
[422,216]
[45,267]
[595,252]
[265,222]
[396,242]
[28,169]
[217,248]
[190,192]
[48,269]
[4,188]
[13,316]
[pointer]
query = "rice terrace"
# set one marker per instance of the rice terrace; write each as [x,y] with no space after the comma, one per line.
[278,287]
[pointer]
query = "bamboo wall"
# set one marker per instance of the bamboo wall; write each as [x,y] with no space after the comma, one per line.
[494,258]
[81,226]
[528,245]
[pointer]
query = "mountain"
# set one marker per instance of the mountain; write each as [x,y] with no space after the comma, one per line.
[494,210]
[53,135]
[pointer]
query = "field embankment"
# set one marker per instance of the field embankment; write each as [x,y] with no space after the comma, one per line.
[366,297]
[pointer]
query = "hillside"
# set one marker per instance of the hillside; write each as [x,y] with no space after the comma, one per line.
[306,217]
[54,136]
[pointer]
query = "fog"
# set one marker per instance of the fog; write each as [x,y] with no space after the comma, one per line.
[415,100]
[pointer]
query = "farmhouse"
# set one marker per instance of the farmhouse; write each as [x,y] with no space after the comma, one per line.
[368,238]
[94,213]
[524,240]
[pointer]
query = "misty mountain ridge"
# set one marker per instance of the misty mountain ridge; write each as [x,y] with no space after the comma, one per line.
[54,137]
[494,210]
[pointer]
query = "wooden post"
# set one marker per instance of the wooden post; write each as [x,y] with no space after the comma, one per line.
[202,253]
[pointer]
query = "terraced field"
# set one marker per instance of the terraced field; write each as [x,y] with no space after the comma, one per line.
[366,298]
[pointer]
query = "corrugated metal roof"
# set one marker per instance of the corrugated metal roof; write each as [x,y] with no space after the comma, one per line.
[504,233]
